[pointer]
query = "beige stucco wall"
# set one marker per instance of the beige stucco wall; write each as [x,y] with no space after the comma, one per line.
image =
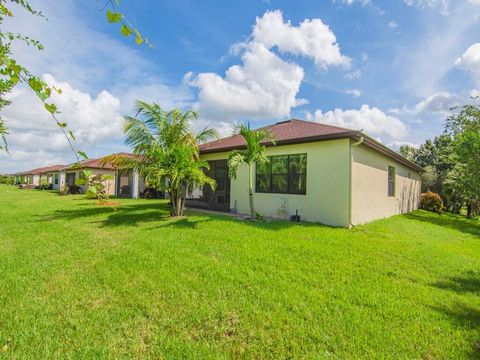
[328,185]
[109,184]
[370,198]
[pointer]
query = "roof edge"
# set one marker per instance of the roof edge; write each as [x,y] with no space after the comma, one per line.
[353,134]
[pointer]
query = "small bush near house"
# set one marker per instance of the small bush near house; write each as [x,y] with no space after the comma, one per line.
[98,187]
[73,189]
[43,184]
[152,193]
[431,201]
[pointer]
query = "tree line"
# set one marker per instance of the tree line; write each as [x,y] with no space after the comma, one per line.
[451,161]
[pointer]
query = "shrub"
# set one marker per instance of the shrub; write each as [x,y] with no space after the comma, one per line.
[6,179]
[431,201]
[73,189]
[98,187]
[43,183]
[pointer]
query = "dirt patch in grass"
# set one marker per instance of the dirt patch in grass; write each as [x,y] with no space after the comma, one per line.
[114,204]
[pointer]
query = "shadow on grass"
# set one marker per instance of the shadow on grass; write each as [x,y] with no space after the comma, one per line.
[124,215]
[157,213]
[455,222]
[467,283]
[461,314]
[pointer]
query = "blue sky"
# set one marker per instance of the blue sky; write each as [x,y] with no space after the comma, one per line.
[392,68]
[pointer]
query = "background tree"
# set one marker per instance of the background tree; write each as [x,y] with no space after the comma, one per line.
[452,167]
[464,129]
[166,151]
[436,157]
[253,153]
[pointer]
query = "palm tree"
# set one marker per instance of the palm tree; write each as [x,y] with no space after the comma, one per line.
[165,148]
[253,153]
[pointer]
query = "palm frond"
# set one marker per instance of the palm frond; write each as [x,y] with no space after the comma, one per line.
[235,159]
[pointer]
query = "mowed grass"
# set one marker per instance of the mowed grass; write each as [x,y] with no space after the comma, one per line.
[82,281]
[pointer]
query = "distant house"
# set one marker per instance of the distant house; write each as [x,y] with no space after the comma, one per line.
[324,173]
[124,183]
[32,177]
[52,174]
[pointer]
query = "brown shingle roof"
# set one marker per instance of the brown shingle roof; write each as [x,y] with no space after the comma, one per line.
[284,132]
[96,163]
[296,131]
[42,170]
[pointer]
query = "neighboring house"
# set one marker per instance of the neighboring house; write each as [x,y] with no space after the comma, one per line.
[124,183]
[53,175]
[327,174]
[32,177]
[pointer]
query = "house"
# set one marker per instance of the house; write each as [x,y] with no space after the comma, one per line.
[32,177]
[52,173]
[124,183]
[323,173]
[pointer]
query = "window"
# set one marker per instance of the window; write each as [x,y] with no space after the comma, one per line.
[391,181]
[285,174]
[55,179]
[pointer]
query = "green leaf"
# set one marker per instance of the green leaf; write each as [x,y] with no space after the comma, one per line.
[71,135]
[43,96]
[113,17]
[82,154]
[125,30]
[62,125]
[51,108]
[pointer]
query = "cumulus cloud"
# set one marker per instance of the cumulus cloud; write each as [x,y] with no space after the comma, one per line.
[93,120]
[440,102]
[312,39]
[98,80]
[265,85]
[370,120]
[470,61]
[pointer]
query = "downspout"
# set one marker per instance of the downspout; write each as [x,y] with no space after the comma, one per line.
[354,144]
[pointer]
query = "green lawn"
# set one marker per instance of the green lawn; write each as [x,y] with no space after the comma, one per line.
[82,281]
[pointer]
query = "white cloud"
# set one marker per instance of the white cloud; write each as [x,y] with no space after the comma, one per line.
[474,93]
[354,92]
[312,39]
[370,120]
[351,2]
[353,75]
[440,102]
[441,5]
[393,24]
[423,66]
[470,61]
[395,145]
[100,77]
[93,120]
[265,85]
